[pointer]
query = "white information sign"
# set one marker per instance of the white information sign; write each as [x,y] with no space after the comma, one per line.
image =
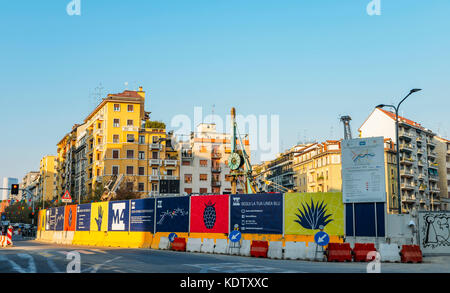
[363,174]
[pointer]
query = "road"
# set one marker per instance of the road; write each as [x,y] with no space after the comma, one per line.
[38,257]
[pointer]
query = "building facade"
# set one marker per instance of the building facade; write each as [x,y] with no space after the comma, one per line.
[418,165]
[443,161]
[30,183]
[204,162]
[47,178]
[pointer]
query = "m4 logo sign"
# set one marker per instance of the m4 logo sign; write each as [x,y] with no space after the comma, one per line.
[118,216]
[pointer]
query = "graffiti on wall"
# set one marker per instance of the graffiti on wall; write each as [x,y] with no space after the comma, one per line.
[435,230]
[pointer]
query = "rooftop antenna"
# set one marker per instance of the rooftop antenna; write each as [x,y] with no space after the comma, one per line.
[347,129]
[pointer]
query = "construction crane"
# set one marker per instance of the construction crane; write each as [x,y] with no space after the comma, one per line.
[111,187]
[347,130]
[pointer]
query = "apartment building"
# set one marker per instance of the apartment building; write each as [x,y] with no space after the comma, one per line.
[29,182]
[47,178]
[117,137]
[204,162]
[318,167]
[443,161]
[390,171]
[418,165]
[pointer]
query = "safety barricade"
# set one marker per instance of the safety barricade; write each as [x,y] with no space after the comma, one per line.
[389,252]
[164,243]
[361,250]
[3,241]
[207,246]
[221,246]
[275,250]
[259,248]
[339,252]
[179,244]
[194,244]
[294,250]
[411,254]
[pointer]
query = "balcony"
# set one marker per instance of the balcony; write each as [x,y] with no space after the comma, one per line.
[154,177]
[422,187]
[153,193]
[431,143]
[186,155]
[432,154]
[216,169]
[171,163]
[406,147]
[215,155]
[433,165]
[170,177]
[130,128]
[98,132]
[215,183]
[156,146]
[404,134]
[421,176]
[154,162]
[99,148]
[406,161]
[406,173]
[407,186]
[433,178]
[409,198]
[435,190]
[420,163]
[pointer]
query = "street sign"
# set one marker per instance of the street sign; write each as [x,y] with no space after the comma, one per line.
[235,236]
[321,238]
[3,217]
[66,197]
[172,237]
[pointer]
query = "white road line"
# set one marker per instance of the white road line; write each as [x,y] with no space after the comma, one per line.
[45,254]
[31,265]
[85,252]
[99,250]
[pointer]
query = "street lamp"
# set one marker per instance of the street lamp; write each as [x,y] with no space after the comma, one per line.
[397,144]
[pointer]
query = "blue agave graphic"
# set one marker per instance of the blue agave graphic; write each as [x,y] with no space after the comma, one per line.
[313,216]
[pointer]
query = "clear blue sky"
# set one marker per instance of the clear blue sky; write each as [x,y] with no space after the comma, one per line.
[307,61]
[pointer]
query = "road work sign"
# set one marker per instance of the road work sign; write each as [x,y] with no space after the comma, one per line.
[66,197]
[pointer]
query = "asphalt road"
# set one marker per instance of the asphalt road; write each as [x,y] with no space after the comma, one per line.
[38,257]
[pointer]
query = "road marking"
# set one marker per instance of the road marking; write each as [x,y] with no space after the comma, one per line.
[238,268]
[99,250]
[85,252]
[96,267]
[19,269]
[45,254]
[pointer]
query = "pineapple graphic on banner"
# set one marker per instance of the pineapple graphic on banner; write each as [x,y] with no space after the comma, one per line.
[209,214]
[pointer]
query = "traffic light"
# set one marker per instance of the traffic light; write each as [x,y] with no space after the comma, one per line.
[15,189]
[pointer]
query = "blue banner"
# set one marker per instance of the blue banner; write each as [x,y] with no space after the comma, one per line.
[172,214]
[142,217]
[51,212]
[119,215]
[83,217]
[257,213]
[59,219]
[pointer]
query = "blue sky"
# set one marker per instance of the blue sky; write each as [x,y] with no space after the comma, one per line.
[307,61]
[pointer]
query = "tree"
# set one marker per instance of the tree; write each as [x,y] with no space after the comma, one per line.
[124,193]
[155,124]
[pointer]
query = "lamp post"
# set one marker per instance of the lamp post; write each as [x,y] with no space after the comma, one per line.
[397,144]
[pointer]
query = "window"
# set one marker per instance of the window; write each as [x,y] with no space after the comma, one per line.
[141,171]
[130,137]
[203,163]
[203,177]
[155,139]
[116,138]
[203,190]
[116,123]
[186,163]
[130,186]
[141,139]
[99,125]
[141,155]
[115,154]
[155,171]
[130,122]
[98,172]
[116,107]
[141,187]
[130,108]
[130,154]
[155,155]
[115,170]
[188,190]
[169,172]
[130,170]
[187,178]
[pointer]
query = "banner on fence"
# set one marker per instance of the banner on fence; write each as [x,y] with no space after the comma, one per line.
[41,219]
[50,217]
[209,214]
[83,217]
[99,216]
[119,215]
[306,212]
[70,216]
[59,218]
[257,213]
[142,215]
[172,214]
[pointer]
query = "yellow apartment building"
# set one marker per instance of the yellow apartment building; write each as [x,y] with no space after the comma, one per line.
[47,177]
[390,165]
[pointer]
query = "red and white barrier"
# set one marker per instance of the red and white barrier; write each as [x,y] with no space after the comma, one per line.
[9,235]
[6,240]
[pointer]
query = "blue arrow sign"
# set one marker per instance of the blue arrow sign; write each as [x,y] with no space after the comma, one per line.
[172,237]
[235,236]
[322,238]
[3,217]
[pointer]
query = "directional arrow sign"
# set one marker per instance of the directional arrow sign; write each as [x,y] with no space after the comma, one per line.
[322,238]
[172,237]
[235,236]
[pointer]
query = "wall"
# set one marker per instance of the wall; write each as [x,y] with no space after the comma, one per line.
[434,232]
